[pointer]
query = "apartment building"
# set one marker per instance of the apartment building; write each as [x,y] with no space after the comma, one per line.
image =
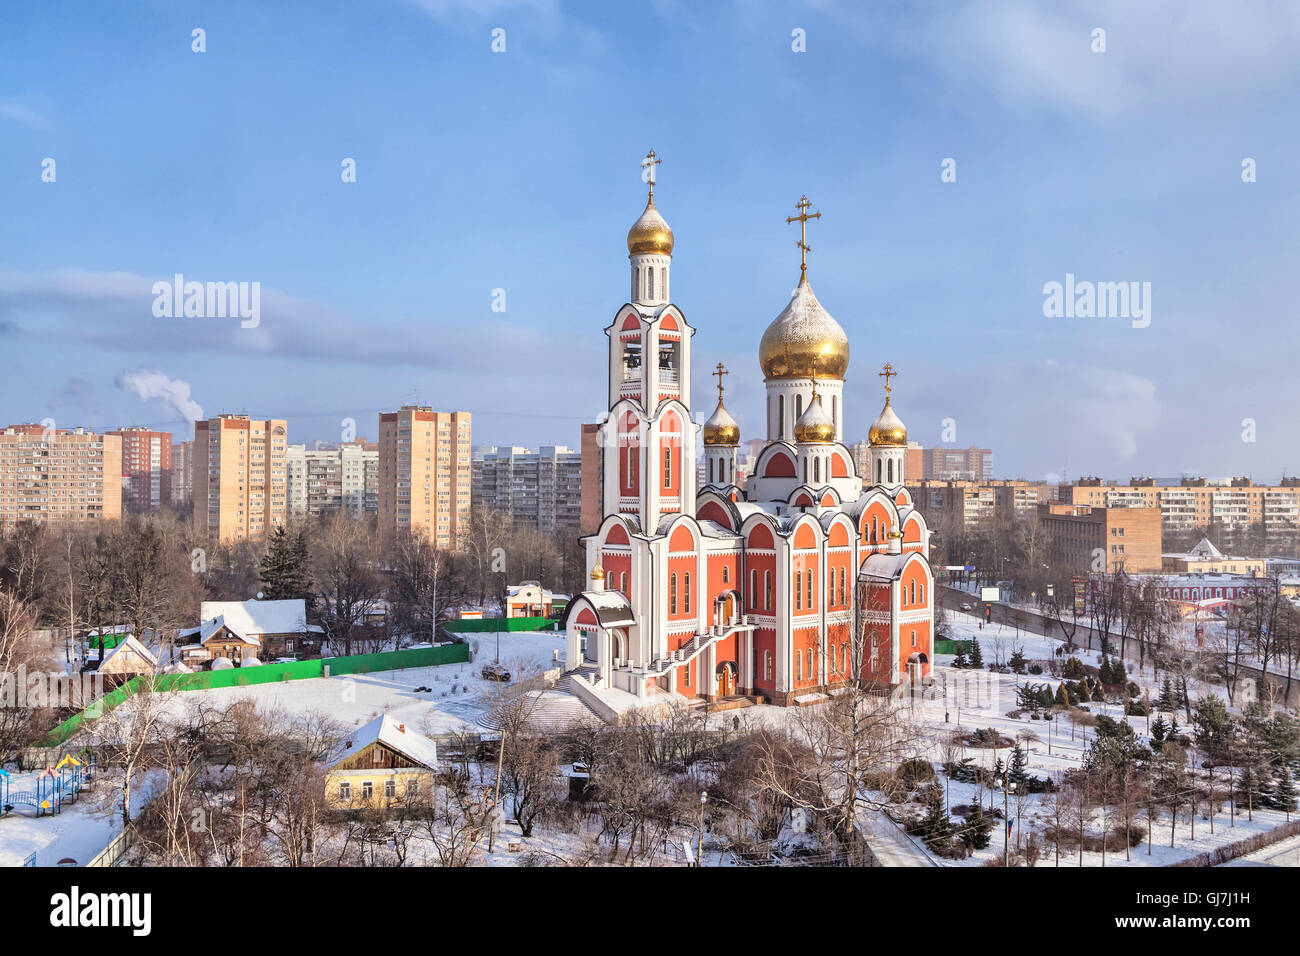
[1088,539]
[593,480]
[146,468]
[240,477]
[541,489]
[956,464]
[58,477]
[425,473]
[1233,505]
[182,477]
[976,504]
[329,479]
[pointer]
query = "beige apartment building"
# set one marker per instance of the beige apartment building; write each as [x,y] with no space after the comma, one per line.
[1196,503]
[975,504]
[425,473]
[1078,536]
[182,482]
[239,477]
[58,477]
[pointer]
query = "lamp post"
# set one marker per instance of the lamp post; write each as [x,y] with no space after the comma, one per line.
[699,849]
[1007,786]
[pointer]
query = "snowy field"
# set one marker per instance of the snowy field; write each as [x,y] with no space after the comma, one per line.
[455,701]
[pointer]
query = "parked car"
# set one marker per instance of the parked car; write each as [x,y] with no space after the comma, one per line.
[494,671]
[966,607]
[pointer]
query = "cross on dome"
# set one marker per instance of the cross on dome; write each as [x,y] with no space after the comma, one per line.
[803,206]
[721,371]
[648,164]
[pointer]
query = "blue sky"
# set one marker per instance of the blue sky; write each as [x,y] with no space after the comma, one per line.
[478,170]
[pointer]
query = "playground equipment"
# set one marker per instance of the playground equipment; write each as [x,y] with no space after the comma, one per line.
[54,787]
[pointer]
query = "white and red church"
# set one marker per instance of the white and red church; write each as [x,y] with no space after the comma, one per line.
[743,589]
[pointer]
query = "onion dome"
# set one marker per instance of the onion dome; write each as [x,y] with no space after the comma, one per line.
[888,429]
[804,341]
[814,425]
[650,235]
[598,573]
[721,428]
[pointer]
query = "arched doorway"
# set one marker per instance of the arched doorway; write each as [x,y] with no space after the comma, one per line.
[916,666]
[726,679]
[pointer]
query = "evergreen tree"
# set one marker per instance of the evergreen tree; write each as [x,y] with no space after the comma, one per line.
[975,834]
[976,655]
[1284,791]
[284,567]
[1159,732]
[960,660]
[1167,701]
[1084,697]
[1019,765]
[1062,695]
[1017,662]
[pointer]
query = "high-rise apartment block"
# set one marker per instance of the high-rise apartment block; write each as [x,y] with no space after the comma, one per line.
[974,504]
[593,479]
[146,468]
[541,489]
[424,473]
[326,480]
[58,477]
[1234,505]
[240,477]
[182,480]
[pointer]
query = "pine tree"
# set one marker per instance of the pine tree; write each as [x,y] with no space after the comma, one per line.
[1167,701]
[1084,697]
[976,655]
[975,834]
[284,567]
[1159,731]
[960,660]
[1017,662]
[1019,764]
[1284,791]
[1062,695]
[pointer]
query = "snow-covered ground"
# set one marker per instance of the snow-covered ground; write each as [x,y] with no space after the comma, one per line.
[1286,853]
[455,701]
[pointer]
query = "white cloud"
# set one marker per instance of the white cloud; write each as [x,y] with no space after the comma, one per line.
[30,111]
[149,384]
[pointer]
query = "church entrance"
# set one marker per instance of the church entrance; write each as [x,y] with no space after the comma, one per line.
[726,679]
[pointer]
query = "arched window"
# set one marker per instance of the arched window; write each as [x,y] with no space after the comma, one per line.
[624,587]
[636,283]
[805,471]
[686,593]
[798,665]
[880,471]
[835,413]
[668,466]
[843,591]
[753,588]
[650,286]
[874,532]
[780,416]
[767,590]
[798,407]
[808,588]
[817,471]
[726,574]
[914,638]
[710,471]
[891,471]
[798,593]
[767,665]
[672,593]
[663,282]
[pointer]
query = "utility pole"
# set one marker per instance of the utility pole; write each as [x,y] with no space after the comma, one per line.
[699,851]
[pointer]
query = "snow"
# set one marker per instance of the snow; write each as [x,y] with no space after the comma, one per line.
[1285,853]
[393,734]
[258,617]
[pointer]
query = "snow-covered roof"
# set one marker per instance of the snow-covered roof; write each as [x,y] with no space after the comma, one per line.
[135,646]
[392,734]
[885,567]
[211,627]
[612,609]
[251,618]
[711,529]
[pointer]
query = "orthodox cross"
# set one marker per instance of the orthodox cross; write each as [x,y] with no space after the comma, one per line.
[649,164]
[887,374]
[804,215]
[718,375]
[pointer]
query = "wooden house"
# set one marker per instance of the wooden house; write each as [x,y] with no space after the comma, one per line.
[381,765]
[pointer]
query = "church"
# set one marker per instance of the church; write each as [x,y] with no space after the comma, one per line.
[743,586]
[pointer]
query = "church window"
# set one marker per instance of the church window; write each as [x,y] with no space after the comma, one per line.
[891,471]
[710,471]
[650,286]
[780,416]
[817,470]
[805,471]
[798,407]
[844,654]
[798,665]
[686,593]
[663,282]
[726,574]
[753,588]
[914,638]
[835,412]
[668,466]
[808,588]
[767,590]
[798,593]
[880,469]
[767,665]
[624,587]
[636,280]
[672,593]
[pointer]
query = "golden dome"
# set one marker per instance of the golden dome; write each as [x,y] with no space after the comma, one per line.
[721,428]
[598,573]
[888,429]
[814,425]
[650,235]
[804,341]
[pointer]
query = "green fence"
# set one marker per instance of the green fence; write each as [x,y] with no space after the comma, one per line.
[491,624]
[942,646]
[267,674]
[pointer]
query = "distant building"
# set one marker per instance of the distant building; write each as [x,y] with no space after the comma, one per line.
[58,477]
[1192,503]
[424,473]
[976,504]
[342,478]
[541,489]
[382,765]
[1084,539]
[593,484]
[1205,558]
[182,478]
[239,477]
[146,468]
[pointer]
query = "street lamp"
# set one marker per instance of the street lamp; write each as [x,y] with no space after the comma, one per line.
[699,851]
